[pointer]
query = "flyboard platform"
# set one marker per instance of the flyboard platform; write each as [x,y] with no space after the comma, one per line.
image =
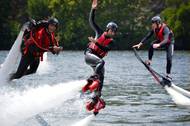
[179,95]
[95,102]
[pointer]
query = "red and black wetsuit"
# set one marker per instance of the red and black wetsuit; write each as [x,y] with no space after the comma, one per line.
[38,42]
[96,51]
[165,38]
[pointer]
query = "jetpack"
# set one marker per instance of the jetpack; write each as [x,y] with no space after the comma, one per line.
[95,103]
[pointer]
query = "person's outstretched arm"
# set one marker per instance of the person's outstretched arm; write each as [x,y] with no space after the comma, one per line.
[150,33]
[94,26]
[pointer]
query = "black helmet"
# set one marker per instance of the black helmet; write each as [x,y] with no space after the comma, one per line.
[112,25]
[53,21]
[156,19]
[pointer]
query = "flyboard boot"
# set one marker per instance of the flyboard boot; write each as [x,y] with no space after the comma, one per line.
[166,81]
[96,104]
[93,83]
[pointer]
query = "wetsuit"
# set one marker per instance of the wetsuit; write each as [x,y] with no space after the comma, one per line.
[92,57]
[36,44]
[165,38]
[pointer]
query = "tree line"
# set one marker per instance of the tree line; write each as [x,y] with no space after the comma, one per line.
[132,16]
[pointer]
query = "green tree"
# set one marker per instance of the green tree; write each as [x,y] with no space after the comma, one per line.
[73,15]
[132,16]
[38,9]
[178,19]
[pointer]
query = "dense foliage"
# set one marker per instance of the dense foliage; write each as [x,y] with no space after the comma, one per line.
[132,16]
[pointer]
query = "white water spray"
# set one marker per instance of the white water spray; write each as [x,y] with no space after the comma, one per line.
[18,106]
[44,66]
[85,122]
[41,120]
[177,97]
[9,64]
[181,90]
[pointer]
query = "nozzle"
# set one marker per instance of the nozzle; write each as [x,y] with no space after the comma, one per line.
[95,113]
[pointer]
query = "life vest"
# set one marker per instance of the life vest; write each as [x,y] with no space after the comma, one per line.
[160,35]
[103,41]
[42,40]
[35,26]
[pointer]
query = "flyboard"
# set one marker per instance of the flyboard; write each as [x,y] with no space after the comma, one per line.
[94,108]
[14,54]
[94,102]
[179,95]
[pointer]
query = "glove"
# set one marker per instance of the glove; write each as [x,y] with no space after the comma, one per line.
[55,49]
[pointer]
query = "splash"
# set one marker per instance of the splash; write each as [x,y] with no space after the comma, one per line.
[178,97]
[41,120]
[44,66]
[9,64]
[181,90]
[18,106]
[85,122]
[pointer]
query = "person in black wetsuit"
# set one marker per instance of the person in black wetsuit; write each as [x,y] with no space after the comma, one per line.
[165,38]
[97,49]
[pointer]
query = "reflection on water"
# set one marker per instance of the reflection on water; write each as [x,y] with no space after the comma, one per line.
[132,96]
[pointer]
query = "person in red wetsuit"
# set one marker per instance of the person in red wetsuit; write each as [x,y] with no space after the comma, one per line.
[97,49]
[39,39]
[164,39]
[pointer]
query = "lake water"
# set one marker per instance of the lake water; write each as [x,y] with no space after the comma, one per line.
[133,98]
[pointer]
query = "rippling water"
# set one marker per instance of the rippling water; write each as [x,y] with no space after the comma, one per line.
[131,94]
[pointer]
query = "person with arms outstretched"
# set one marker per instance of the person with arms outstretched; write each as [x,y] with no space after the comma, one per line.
[164,39]
[97,49]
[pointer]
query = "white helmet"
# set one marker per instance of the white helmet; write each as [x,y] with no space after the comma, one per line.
[112,25]
[156,19]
